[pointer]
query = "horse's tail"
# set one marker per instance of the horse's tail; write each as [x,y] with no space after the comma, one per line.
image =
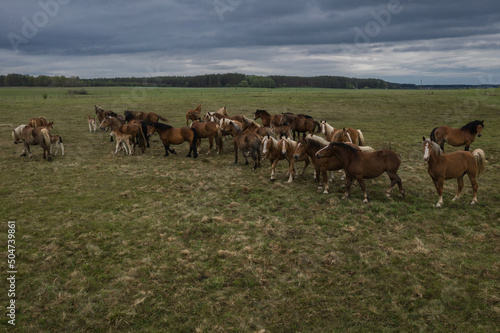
[480,158]
[193,143]
[46,137]
[219,142]
[433,135]
[162,118]
[142,139]
[144,127]
[361,138]
[317,124]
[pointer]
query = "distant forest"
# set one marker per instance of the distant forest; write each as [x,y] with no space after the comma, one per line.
[213,81]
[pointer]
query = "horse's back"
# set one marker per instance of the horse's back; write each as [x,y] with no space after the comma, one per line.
[459,163]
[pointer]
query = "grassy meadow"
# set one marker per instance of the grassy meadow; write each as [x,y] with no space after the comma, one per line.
[149,243]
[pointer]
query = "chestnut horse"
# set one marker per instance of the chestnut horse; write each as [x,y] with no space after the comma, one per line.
[308,147]
[360,165]
[193,114]
[92,123]
[443,166]
[350,135]
[457,136]
[175,136]
[36,122]
[148,117]
[36,136]
[210,130]
[250,126]
[248,144]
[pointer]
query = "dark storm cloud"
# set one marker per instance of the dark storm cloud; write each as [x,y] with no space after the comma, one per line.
[238,35]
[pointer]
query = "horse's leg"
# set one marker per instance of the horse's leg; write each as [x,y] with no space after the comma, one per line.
[473,182]
[273,169]
[235,153]
[394,179]
[439,183]
[460,181]
[167,148]
[362,185]
[348,182]
[210,143]
[291,170]
[467,145]
[324,173]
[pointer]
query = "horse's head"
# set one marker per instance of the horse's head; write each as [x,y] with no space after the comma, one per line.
[284,143]
[323,127]
[300,151]
[265,141]
[427,148]
[479,128]
[344,136]
[106,123]
[49,126]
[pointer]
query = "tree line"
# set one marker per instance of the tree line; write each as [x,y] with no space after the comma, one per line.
[203,81]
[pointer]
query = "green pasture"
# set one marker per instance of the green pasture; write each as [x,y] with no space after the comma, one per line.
[148,243]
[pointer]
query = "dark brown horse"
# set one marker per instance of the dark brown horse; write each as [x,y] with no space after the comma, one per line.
[193,114]
[267,119]
[175,136]
[360,165]
[457,136]
[300,123]
[248,144]
[443,166]
[36,122]
[148,117]
[131,129]
[210,130]
[36,136]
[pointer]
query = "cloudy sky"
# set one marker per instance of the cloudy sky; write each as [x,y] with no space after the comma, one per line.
[405,41]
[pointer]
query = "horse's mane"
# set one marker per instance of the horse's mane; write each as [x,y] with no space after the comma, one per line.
[162,126]
[472,126]
[316,141]
[345,146]
[249,122]
[435,147]
[262,111]
[236,126]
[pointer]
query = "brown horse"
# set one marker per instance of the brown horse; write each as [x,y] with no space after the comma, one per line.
[272,150]
[131,129]
[57,142]
[210,130]
[92,123]
[193,114]
[250,126]
[175,136]
[360,165]
[349,135]
[308,147]
[36,136]
[457,136]
[148,117]
[267,119]
[36,122]
[288,148]
[443,166]
[248,144]
[300,123]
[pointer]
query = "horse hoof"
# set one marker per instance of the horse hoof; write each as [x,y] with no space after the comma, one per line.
[272,179]
[365,201]
[438,205]
[325,192]
[473,202]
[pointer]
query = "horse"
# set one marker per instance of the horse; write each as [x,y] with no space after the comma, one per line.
[288,148]
[273,152]
[36,122]
[300,123]
[193,114]
[443,166]
[210,130]
[16,133]
[148,117]
[359,165]
[349,135]
[92,123]
[175,136]
[146,130]
[123,141]
[57,142]
[342,135]
[132,129]
[36,136]
[458,136]
[267,119]
[247,143]
[250,126]
[308,147]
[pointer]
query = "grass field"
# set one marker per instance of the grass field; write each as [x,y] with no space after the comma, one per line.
[149,243]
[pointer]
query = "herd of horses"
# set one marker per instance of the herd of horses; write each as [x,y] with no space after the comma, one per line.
[285,136]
